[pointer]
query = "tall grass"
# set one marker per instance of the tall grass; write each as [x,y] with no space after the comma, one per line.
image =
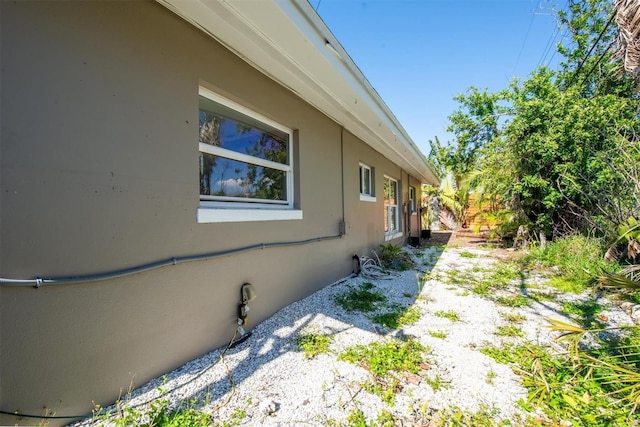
[577,259]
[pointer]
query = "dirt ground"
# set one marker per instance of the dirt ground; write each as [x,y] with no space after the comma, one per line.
[460,238]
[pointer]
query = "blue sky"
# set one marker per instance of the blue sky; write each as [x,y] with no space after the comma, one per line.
[419,54]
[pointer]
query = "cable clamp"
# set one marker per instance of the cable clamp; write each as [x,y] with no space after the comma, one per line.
[262,246]
[174,260]
[38,282]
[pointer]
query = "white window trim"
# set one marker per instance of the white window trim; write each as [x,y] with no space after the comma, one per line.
[244,215]
[390,235]
[364,197]
[414,208]
[235,209]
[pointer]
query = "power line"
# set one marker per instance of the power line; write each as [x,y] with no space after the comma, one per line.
[597,62]
[533,15]
[573,76]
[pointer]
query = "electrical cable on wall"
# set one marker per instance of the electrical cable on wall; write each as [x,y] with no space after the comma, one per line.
[38,281]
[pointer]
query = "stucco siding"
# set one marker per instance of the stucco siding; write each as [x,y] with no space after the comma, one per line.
[99,172]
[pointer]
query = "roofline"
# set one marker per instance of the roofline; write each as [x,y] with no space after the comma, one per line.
[288,41]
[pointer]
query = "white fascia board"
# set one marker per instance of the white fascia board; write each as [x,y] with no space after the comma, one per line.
[287,41]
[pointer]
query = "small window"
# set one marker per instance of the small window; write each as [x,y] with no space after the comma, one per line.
[412,200]
[245,163]
[366,183]
[391,216]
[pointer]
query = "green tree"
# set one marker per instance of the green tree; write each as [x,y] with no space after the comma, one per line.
[560,148]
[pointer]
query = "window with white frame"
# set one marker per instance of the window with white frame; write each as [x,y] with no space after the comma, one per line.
[391,216]
[412,200]
[366,183]
[245,163]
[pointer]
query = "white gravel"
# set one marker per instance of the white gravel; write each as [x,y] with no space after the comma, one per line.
[275,385]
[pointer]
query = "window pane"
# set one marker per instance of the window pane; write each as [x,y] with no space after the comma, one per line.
[386,218]
[390,191]
[237,132]
[220,176]
[394,218]
[366,181]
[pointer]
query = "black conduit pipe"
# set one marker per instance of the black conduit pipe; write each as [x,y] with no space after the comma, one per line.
[38,281]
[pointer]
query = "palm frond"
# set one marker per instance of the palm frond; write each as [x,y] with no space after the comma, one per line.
[617,281]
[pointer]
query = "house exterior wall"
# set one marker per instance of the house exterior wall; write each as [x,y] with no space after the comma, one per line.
[99,172]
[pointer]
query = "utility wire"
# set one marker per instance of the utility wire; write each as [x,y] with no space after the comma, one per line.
[593,46]
[38,281]
[533,15]
[597,63]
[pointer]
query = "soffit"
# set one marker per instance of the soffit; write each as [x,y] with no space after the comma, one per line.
[287,41]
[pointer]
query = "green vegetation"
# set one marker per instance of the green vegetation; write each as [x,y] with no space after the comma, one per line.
[313,344]
[499,276]
[392,257]
[363,299]
[386,361]
[514,301]
[564,390]
[513,317]
[161,414]
[455,417]
[467,254]
[560,145]
[491,375]
[509,331]
[398,317]
[578,261]
[438,334]
[450,314]
[436,383]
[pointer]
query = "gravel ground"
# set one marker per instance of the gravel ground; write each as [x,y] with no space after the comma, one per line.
[274,384]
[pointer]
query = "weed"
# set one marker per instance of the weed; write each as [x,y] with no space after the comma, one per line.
[437,384]
[455,277]
[514,301]
[313,344]
[363,299]
[563,389]
[491,375]
[394,258]
[542,296]
[513,317]
[579,260]
[385,419]
[587,311]
[385,361]
[356,419]
[455,417]
[499,276]
[450,314]
[398,317]
[438,334]
[467,254]
[509,331]
[571,285]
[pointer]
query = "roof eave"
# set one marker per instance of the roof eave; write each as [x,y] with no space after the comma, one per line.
[287,41]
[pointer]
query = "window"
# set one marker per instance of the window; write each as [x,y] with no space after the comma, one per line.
[412,200]
[391,217]
[245,164]
[366,183]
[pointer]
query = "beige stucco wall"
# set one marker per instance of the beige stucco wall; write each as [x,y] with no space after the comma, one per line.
[99,171]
